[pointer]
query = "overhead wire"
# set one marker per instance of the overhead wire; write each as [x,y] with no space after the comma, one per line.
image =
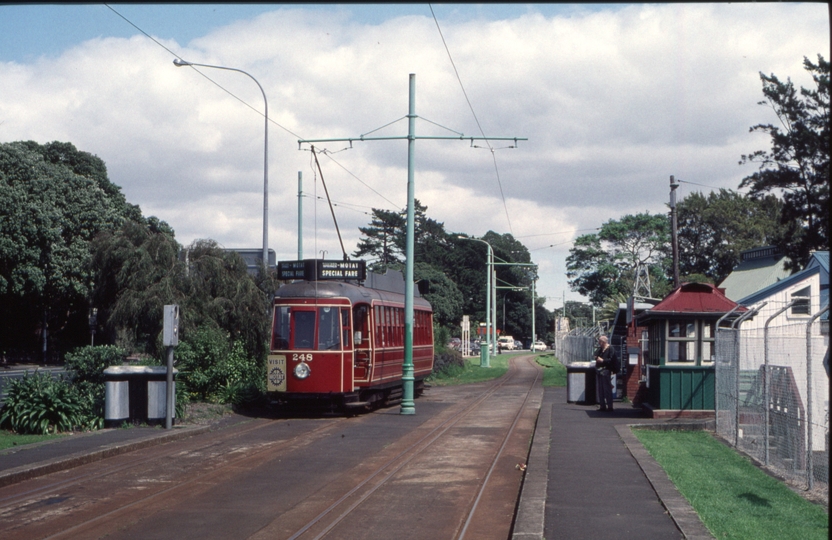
[232,94]
[476,120]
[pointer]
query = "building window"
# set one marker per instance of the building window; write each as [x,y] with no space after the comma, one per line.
[708,342]
[681,341]
[801,306]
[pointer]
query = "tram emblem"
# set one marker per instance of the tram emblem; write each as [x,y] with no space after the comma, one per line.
[277,373]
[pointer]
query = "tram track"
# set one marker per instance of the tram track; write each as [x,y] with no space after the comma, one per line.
[124,496]
[326,522]
[209,456]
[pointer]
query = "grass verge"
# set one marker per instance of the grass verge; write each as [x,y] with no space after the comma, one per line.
[471,372]
[554,373]
[9,439]
[734,499]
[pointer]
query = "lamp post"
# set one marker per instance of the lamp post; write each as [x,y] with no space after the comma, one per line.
[180,63]
[489,300]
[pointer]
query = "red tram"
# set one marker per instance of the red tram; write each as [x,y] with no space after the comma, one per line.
[339,344]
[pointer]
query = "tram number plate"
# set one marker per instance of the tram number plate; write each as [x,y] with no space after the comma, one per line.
[276,370]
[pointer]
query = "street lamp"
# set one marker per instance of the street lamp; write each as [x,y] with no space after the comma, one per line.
[180,63]
[490,300]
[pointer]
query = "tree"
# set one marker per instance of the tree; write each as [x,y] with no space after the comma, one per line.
[380,240]
[714,229]
[54,200]
[797,165]
[604,264]
[385,240]
[442,293]
[137,272]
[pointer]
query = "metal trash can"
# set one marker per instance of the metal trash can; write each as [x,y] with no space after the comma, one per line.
[136,394]
[580,383]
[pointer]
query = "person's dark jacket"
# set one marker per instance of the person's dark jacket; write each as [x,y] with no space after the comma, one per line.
[610,359]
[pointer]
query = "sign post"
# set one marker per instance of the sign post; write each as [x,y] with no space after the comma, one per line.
[170,339]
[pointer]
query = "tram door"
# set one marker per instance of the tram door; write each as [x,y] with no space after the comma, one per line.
[362,345]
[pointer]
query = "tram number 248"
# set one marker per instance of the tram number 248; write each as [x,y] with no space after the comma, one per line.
[302,357]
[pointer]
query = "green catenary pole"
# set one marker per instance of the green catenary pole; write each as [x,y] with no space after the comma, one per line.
[408,406]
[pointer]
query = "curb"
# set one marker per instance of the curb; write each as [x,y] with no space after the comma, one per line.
[531,508]
[679,509]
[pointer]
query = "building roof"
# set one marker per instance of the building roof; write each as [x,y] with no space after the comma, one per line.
[758,268]
[702,299]
[818,264]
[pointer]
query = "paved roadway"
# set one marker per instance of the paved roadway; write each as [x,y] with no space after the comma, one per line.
[450,471]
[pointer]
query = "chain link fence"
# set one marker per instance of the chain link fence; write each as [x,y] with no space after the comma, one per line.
[772,398]
[578,345]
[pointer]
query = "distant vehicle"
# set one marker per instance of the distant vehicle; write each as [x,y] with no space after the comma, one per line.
[506,342]
[455,343]
[518,344]
[539,346]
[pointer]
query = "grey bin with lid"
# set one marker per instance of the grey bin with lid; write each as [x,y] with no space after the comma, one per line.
[136,394]
[580,383]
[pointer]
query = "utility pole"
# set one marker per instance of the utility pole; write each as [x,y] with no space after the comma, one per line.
[408,407]
[673,234]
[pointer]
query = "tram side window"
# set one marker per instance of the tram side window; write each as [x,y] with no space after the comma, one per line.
[280,332]
[304,326]
[329,331]
[419,328]
[345,328]
[378,324]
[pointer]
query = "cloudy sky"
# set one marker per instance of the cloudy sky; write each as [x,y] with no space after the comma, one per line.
[613,99]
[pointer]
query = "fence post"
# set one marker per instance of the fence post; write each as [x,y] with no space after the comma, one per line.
[716,386]
[738,322]
[767,375]
[810,468]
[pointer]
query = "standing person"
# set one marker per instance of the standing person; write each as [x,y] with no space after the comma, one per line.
[606,362]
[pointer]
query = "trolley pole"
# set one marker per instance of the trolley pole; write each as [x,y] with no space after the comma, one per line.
[300,215]
[408,406]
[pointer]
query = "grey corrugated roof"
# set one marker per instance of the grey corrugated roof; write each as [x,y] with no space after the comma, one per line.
[818,264]
[752,275]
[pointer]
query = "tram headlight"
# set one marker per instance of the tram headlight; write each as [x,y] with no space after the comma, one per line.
[302,370]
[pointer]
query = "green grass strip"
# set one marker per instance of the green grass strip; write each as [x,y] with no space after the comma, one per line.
[9,439]
[554,373]
[472,372]
[734,498]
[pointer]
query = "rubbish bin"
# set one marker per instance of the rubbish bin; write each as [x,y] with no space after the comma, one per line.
[580,383]
[136,394]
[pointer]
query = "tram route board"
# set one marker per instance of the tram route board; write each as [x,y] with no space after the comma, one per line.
[321,270]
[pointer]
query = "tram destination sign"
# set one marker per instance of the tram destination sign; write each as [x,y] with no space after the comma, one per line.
[322,270]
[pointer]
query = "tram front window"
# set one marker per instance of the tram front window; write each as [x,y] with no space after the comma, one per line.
[310,329]
[280,332]
[329,330]
[304,325]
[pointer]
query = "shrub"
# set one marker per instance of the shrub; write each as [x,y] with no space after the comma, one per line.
[448,362]
[88,363]
[212,370]
[39,404]
[197,358]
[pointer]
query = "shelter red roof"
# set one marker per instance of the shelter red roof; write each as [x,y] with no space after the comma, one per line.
[694,298]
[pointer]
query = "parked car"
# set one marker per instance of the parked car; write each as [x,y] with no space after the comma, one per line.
[506,342]
[539,346]
[518,344]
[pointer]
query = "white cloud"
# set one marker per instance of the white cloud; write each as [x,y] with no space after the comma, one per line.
[612,102]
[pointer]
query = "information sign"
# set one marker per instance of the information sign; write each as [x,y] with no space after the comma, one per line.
[322,270]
